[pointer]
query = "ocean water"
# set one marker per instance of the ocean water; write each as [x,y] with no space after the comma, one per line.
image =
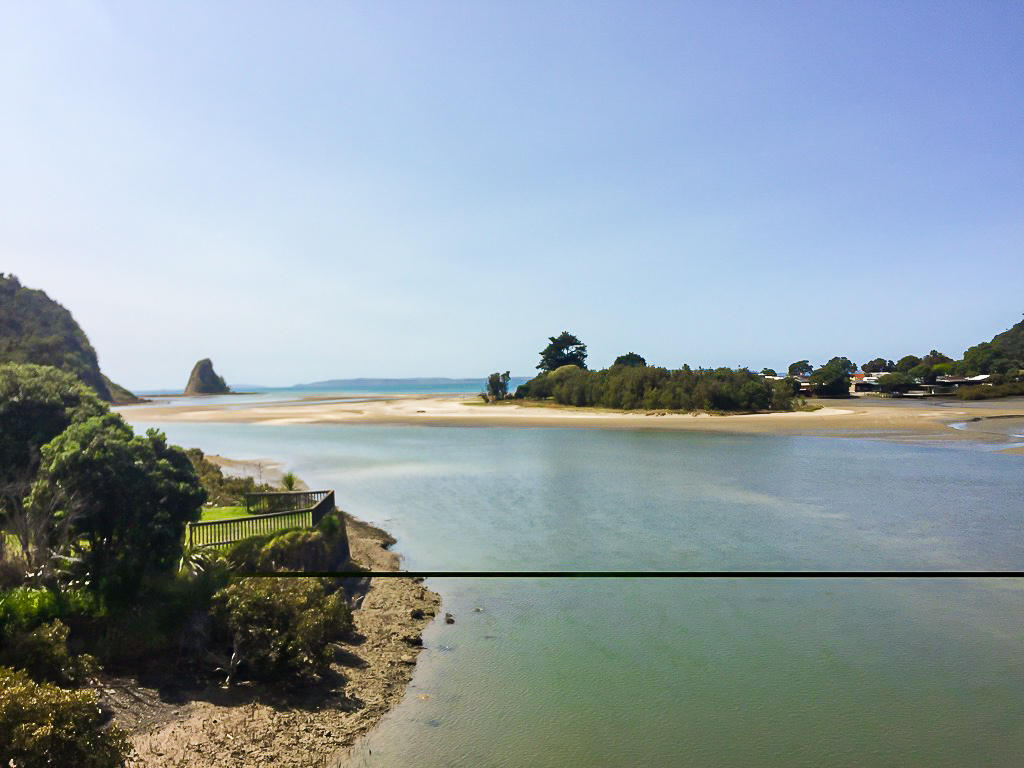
[703,671]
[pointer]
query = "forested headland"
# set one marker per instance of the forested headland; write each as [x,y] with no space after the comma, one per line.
[36,329]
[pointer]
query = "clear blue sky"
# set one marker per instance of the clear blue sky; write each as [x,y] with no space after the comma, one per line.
[303,191]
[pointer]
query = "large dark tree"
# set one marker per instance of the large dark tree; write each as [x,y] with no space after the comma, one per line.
[842,362]
[631,359]
[564,349]
[132,496]
[832,379]
[497,385]
[879,365]
[908,362]
[800,367]
[37,403]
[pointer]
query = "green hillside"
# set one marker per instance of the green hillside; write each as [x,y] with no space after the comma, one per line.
[36,329]
[1011,342]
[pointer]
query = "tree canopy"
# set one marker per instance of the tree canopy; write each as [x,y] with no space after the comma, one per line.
[132,497]
[564,349]
[906,363]
[37,403]
[497,385]
[832,379]
[800,368]
[879,365]
[631,359]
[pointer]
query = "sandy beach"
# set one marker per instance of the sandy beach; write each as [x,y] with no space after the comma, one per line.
[845,418]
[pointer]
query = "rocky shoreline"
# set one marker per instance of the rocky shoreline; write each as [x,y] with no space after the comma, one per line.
[250,725]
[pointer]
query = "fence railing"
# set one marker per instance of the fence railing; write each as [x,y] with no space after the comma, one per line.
[283,501]
[300,509]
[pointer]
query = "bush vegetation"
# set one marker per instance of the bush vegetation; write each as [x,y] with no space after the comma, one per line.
[628,387]
[281,628]
[44,726]
[223,490]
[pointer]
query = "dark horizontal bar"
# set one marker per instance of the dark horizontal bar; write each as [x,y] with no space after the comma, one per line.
[638,574]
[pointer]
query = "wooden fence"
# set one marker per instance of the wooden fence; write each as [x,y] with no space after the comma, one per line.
[299,509]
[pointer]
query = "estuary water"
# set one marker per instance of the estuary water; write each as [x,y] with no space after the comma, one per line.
[708,671]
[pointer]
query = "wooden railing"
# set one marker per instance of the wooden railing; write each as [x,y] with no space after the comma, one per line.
[283,501]
[299,509]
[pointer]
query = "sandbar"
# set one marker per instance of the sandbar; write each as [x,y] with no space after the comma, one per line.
[853,417]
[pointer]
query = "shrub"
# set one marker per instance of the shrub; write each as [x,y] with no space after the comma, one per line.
[43,725]
[43,654]
[282,628]
[24,609]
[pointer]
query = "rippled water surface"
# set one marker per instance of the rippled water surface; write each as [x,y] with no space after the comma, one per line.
[691,671]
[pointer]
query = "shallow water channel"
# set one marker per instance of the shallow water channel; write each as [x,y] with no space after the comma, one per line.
[690,671]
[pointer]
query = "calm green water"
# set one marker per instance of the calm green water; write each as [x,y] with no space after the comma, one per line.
[688,672]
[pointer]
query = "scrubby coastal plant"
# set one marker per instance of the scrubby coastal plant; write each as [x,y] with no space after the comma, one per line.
[281,628]
[43,726]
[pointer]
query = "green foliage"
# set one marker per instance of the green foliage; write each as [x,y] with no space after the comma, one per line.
[832,379]
[1011,343]
[879,365]
[497,385]
[23,609]
[895,382]
[133,497]
[987,358]
[43,654]
[906,363]
[842,363]
[223,490]
[630,359]
[282,628]
[37,403]
[800,368]
[36,329]
[321,549]
[768,372]
[564,349]
[1010,389]
[43,726]
[651,388]
[331,526]
[289,481]
[934,358]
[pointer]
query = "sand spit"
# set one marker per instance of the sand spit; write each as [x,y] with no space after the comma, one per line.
[847,418]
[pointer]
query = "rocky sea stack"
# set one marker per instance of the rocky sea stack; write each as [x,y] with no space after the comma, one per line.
[205,381]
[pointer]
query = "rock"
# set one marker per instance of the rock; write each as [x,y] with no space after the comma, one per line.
[416,613]
[449,619]
[205,381]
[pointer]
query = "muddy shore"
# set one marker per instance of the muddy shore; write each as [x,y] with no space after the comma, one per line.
[251,725]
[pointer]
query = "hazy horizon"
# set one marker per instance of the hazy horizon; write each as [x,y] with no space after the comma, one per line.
[308,190]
